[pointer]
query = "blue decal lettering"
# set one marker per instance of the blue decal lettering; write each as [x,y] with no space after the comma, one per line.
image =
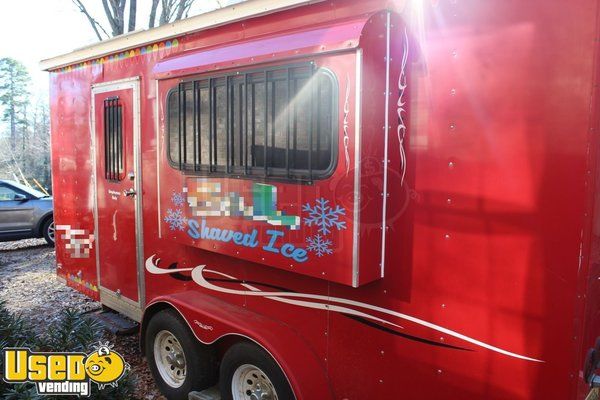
[238,238]
[250,239]
[287,250]
[203,231]
[290,251]
[271,246]
[214,233]
[193,231]
[300,255]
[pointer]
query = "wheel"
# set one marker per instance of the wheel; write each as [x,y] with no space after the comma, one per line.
[48,231]
[249,373]
[178,361]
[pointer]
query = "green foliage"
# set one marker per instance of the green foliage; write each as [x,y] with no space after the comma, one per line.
[14,91]
[25,150]
[15,331]
[71,332]
[21,392]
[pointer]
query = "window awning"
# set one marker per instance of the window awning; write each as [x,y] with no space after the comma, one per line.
[316,40]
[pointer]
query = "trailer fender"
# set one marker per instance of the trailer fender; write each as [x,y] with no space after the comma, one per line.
[213,320]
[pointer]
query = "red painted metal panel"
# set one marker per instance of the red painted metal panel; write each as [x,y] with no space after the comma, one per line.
[264,241]
[491,257]
[72,169]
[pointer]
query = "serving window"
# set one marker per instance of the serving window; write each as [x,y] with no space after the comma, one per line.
[277,122]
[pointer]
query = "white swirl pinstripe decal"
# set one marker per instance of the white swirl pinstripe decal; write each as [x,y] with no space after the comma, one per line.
[401,110]
[321,303]
[346,115]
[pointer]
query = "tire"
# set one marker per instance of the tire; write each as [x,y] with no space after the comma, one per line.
[167,335]
[244,366]
[48,231]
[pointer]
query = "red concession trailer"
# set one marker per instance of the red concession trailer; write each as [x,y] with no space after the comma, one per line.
[342,199]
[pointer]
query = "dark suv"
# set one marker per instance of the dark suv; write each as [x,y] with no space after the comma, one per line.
[25,213]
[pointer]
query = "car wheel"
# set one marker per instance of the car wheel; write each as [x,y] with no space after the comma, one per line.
[248,373]
[49,231]
[179,363]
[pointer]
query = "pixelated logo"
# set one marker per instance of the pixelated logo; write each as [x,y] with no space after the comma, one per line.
[206,198]
[77,242]
[64,373]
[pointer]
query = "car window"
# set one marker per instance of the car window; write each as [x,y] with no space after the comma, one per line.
[7,194]
[22,189]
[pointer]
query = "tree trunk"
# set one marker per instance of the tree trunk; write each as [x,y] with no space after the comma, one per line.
[13,113]
[112,11]
[152,19]
[132,14]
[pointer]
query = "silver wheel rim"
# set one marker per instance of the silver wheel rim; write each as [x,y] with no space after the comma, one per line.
[169,359]
[251,383]
[51,231]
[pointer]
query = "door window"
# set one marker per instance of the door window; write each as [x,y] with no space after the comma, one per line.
[113,139]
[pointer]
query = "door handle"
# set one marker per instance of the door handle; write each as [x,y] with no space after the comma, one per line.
[129,192]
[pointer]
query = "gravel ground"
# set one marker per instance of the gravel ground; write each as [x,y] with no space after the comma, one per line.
[29,286]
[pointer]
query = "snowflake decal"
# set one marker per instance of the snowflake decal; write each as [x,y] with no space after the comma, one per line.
[175,219]
[323,216]
[319,245]
[178,199]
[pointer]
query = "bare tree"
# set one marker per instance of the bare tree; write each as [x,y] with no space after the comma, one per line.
[95,24]
[132,14]
[171,10]
[115,10]
[152,20]
[115,13]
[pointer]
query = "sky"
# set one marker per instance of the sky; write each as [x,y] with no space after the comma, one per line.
[32,30]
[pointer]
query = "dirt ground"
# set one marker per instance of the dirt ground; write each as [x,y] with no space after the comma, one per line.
[29,286]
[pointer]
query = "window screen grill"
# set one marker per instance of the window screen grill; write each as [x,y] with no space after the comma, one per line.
[279,122]
[113,139]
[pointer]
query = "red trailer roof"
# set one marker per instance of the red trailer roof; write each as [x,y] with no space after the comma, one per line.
[236,12]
